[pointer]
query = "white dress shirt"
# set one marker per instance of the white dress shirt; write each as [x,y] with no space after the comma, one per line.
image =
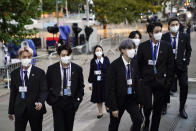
[28,73]
[157,55]
[68,71]
[177,39]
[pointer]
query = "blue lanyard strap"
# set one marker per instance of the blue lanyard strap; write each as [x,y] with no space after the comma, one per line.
[173,43]
[98,65]
[154,53]
[21,74]
[68,74]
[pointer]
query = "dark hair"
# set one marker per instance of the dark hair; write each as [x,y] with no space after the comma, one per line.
[173,19]
[133,34]
[95,57]
[151,26]
[64,47]
[126,44]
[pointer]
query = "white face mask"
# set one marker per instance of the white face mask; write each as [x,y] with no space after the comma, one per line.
[131,53]
[158,36]
[99,53]
[136,41]
[25,62]
[66,59]
[174,29]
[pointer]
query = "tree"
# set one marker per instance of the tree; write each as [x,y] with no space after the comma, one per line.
[73,5]
[14,15]
[118,11]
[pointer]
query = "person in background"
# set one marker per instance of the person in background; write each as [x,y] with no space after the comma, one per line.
[66,89]
[182,52]
[28,93]
[121,88]
[98,70]
[136,37]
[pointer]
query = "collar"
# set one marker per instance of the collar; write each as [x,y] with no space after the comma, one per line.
[29,69]
[101,60]
[174,36]
[61,66]
[125,62]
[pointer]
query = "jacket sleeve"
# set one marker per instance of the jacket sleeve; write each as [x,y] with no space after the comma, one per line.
[170,66]
[43,88]
[13,93]
[111,89]
[80,89]
[188,51]
[139,61]
[90,78]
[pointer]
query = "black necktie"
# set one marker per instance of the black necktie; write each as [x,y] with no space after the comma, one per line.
[129,72]
[155,51]
[64,78]
[174,43]
[25,77]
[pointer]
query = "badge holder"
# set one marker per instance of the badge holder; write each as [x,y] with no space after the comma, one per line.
[130,90]
[67,91]
[98,78]
[22,90]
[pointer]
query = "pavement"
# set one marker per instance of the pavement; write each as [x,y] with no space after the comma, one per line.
[86,116]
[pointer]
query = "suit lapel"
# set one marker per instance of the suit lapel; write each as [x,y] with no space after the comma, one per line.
[160,55]
[122,69]
[58,74]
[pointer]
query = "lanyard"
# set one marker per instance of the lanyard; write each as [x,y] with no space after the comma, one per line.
[128,74]
[154,54]
[174,42]
[98,65]
[22,79]
[68,74]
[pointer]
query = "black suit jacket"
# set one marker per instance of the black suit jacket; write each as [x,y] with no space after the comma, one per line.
[36,92]
[54,84]
[184,50]
[116,84]
[164,65]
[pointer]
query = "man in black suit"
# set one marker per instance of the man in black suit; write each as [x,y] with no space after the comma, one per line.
[155,67]
[66,89]
[28,93]
[182,53]
[121,84]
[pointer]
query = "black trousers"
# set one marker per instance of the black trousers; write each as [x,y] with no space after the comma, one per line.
[135,113]
[35,120]
[153,88]
[182,77]
[63,115]
[174,84]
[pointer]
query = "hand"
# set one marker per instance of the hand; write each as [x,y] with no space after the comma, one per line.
[115,113]
[38,106]
[90,88]
[11,117]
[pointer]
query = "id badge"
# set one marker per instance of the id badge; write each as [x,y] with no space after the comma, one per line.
[129,82]
[130,90]
[22,89]
[98,78]
[97,72]
[69,83]
[174,51]
[22,95]
[150,62]
[67,92]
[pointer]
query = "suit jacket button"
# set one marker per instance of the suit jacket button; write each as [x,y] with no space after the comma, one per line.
[78,99]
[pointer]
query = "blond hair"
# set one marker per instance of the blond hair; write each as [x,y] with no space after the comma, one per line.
[25,49]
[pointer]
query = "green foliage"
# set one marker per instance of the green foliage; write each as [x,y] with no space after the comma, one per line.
[20,12]
[118,11]
[73,5]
